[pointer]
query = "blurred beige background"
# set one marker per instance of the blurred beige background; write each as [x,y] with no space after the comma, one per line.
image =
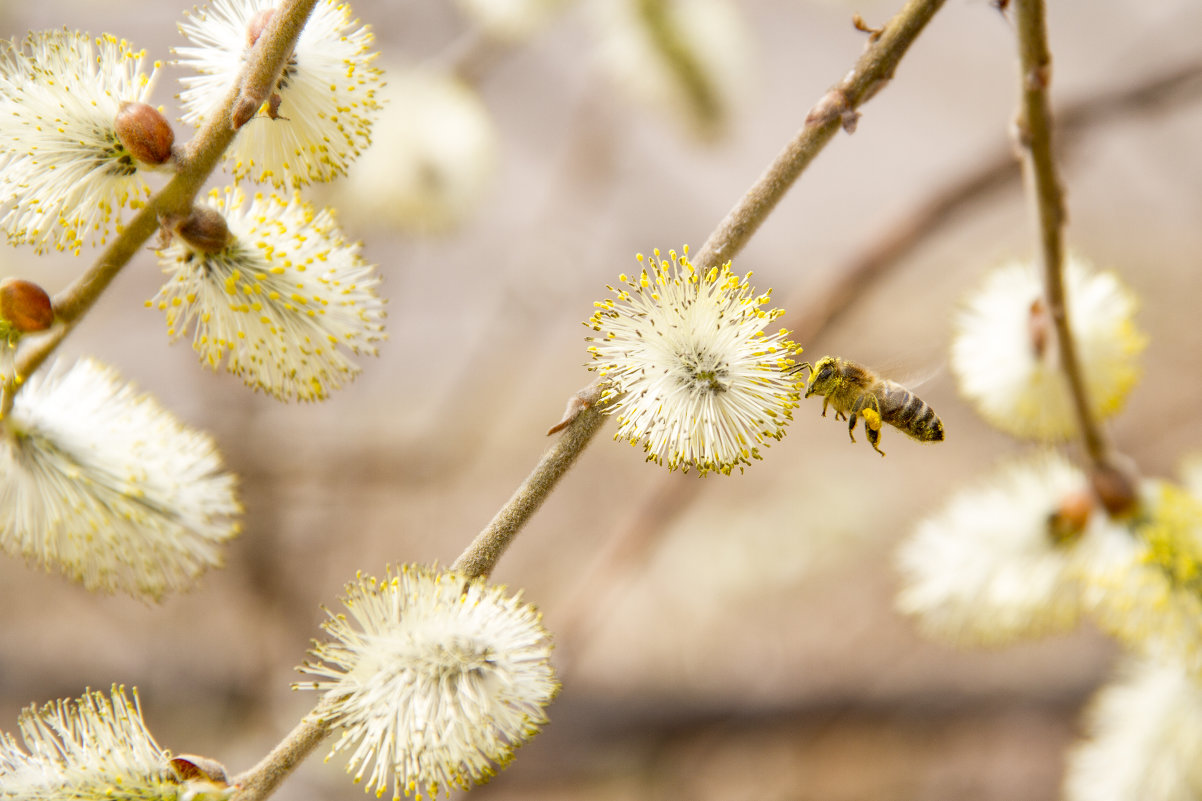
[753,652]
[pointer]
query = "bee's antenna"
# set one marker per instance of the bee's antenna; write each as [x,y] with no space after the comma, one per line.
[797,368]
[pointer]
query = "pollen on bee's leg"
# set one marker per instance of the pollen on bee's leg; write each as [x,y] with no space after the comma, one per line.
[872,428]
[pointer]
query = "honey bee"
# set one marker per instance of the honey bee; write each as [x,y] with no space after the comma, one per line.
[855,391]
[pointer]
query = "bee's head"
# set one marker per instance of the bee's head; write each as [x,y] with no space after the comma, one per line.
[824,375]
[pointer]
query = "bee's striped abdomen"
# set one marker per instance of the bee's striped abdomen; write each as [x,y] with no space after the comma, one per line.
[907,412]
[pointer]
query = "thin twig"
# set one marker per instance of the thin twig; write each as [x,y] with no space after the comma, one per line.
[837,109]
[470,57]
[1034,139]
[267,61]
[479,558]
[261,780]
[199,159]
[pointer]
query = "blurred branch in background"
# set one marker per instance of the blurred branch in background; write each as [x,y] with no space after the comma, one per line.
[819,307]
[672,752]
[814,309]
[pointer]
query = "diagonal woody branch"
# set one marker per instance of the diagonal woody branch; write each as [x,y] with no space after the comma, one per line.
[837,109]
[198,160]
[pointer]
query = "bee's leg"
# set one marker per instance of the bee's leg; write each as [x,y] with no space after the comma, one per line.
[825,402]
[872,423]
[857,409]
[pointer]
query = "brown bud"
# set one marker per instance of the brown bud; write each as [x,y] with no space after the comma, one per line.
[1115,486]
[188,767]
[205,230]
[243,110]
[25,306]
[258,23]
[1068,521]
[144,132]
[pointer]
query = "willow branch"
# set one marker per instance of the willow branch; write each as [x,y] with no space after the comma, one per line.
[837,109]
[196,162]
[260,781]
[1034,137]
[479,558]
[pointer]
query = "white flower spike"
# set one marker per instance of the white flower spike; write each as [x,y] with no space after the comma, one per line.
[280,303]
[1004,352]
[1191,474]
[1144,738]
[1150,598]
[511,20]
[691,375]
[320,116]
[64,173]
[440,159]
[83,750]
[108,488]
[992,568]
[436,679]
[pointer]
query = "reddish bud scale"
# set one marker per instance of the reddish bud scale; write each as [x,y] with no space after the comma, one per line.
[144,132]
[25,306]
[1039,326]
[258,23]
[1071,516]
[188,767]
